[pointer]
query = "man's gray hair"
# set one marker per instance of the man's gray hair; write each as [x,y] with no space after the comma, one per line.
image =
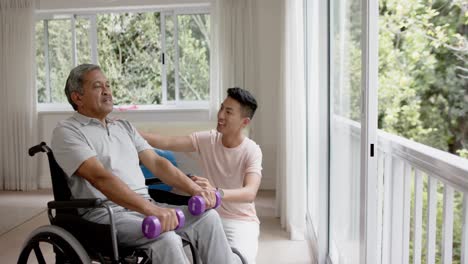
[75,81]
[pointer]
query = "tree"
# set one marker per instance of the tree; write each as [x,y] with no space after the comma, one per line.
[129,52]
[423,53]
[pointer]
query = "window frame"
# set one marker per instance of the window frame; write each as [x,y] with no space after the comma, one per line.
[167,106]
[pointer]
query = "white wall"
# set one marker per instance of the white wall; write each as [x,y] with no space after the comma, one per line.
[268,62]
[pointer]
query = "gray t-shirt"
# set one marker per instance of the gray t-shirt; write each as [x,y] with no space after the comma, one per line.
[79,138]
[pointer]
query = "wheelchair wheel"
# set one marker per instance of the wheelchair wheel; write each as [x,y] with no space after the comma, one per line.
[237,252]
[53,244]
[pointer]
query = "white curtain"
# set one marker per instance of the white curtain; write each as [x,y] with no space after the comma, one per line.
[291,181]
[234,48]
[18,114]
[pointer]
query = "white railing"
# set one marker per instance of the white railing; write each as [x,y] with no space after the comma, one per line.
[412,178]
[404,167]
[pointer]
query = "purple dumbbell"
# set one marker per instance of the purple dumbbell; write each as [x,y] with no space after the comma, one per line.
[151,227]
[197,204]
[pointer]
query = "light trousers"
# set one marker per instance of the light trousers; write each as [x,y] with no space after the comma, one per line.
[243,235]
[205,232]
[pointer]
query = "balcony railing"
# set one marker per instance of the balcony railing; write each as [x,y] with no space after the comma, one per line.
[422,200]
[407,172]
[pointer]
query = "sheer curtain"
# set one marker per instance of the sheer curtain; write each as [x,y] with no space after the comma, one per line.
[17,95]
[291,181]
[234,46]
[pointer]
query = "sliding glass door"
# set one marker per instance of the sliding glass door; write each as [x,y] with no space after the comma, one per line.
[345,131]
[352,106]
[341,74]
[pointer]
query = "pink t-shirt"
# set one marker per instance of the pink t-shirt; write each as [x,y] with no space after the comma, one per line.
[226,168]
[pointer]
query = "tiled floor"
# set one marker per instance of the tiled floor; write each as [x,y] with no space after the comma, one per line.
[18,207]
[274,245]
[12,241]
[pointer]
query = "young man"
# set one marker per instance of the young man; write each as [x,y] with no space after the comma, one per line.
[101,158]
[232,164]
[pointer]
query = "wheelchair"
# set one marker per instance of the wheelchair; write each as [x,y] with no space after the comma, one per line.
[76,240]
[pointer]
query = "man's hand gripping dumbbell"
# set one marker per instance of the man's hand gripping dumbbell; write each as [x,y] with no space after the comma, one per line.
[197,204]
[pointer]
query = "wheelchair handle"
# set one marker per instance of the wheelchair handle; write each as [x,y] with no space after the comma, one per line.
[41,147]
[151,226]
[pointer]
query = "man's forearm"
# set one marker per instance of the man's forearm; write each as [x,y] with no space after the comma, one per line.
[176,178]
[112,186]
[245,194]
[118,192]
[241,195]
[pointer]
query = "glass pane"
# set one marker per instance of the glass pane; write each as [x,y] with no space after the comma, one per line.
[83,46]
[423,73]
[60,57]
[42,94]
[129,54]
[194,57]
[315,148]
[170,57]
[345,131]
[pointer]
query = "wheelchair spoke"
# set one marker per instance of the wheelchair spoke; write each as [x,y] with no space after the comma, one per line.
[39,256]
[50,247]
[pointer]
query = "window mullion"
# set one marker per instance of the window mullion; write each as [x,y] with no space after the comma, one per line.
[46,58]
[163,61]
[176,60]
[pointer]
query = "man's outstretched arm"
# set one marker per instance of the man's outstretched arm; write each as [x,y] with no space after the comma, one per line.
[174,177]
[245,194]
[118,192]
[174,143]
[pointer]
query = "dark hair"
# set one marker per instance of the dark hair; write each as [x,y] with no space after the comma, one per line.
[75,81]
[246,100]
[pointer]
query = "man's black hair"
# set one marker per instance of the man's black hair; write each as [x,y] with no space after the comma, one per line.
[246,100]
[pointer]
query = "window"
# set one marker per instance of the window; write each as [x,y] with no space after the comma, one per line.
[154,57]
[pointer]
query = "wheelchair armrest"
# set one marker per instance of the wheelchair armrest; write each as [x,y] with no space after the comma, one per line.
[78,203]
[152,181]
[162,196]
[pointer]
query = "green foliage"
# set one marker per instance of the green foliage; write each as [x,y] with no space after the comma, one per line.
[463,153]
[423,80]
[59,57]
[40,63]
[129,53]
[194,52]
